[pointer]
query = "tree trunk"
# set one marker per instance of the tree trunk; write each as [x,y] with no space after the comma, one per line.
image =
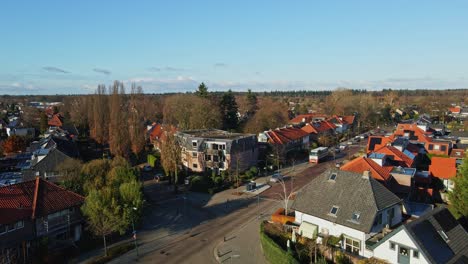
[175,179]
[105,245]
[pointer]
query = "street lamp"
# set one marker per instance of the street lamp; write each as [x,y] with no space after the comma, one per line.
[134,232]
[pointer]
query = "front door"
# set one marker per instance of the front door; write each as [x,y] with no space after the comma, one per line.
[403,255]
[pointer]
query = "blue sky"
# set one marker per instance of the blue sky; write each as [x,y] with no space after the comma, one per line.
[69,47]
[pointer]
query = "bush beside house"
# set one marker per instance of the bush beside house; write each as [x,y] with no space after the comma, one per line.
[279,217]
[273,252]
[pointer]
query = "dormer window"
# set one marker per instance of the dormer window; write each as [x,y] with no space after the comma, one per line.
[356,216]
[332,177]
[194,143]
[334,210]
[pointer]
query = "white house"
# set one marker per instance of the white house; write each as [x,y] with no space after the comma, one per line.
[348,204]
[433,238]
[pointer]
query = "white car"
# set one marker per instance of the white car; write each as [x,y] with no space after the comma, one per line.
[276,177]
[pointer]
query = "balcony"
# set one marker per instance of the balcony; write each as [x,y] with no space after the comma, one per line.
[45,226]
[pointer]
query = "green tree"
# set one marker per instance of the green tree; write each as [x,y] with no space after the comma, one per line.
[104,214]
[94,174]
[70,169]
[459,196]
[131,197]
[251,102]
[202,91]
[229,111]
[44,122]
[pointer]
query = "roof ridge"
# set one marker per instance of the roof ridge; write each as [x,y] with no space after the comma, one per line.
[36,191]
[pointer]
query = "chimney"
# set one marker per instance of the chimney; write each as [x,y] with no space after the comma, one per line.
[366,174]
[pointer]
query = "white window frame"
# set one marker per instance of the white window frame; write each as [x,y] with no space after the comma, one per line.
[331,210]
[353,247]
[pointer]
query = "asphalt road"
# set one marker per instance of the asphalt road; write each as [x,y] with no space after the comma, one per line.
[188,230]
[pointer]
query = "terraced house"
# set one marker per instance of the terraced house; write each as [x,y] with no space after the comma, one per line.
[217,150]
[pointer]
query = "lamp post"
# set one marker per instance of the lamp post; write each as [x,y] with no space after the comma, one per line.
[134,232]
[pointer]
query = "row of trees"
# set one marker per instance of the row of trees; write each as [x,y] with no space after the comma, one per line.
[113,117]
[203,110]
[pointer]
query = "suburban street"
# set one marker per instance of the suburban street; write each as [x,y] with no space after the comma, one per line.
[194,229]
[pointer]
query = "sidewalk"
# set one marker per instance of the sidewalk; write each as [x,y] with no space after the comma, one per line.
[243,245]
[177,216]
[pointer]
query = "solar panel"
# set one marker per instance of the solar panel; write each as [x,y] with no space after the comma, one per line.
[409,154]
[373,142]
[445,220]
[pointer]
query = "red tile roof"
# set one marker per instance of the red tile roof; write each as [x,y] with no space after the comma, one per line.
[56,121]
[422,136]
[309,129]
[455,110]
[306,118]
[397,155]
[349,119]
[35,198]
[361,164]
[383,142]
[318,127]
[443,168]
[285,135]
[156,132]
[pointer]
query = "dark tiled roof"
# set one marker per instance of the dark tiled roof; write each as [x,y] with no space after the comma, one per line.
[35,198]
[351,192]
[428,232]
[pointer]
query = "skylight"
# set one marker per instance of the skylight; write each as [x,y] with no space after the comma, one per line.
[443,235]
[334,210]
[356,216]
[332,177]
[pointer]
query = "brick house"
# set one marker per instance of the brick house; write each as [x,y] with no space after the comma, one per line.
[35,209]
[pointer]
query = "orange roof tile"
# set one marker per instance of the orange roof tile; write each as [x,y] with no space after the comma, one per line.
[361,164]
[397,155]
[306,118]
[383,142]
[455,110]
[285,135]
[443,168]
[349,119]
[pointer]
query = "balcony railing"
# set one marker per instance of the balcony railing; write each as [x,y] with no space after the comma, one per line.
[46,226]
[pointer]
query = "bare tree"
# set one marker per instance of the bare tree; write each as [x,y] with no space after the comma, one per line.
[99,117]
[135,121]
[119,141]
[171,156]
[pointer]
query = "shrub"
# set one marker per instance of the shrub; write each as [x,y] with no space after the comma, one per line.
[113,252]
[341,258]
[273,252]
[254,171]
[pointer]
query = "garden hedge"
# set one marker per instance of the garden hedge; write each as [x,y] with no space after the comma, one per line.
[273,252]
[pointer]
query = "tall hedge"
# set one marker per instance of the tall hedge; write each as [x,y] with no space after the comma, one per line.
[273,252]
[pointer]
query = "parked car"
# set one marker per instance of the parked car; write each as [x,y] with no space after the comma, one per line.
[338,165]
[343,147]
[147,168]
[276,177]
[349,142]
